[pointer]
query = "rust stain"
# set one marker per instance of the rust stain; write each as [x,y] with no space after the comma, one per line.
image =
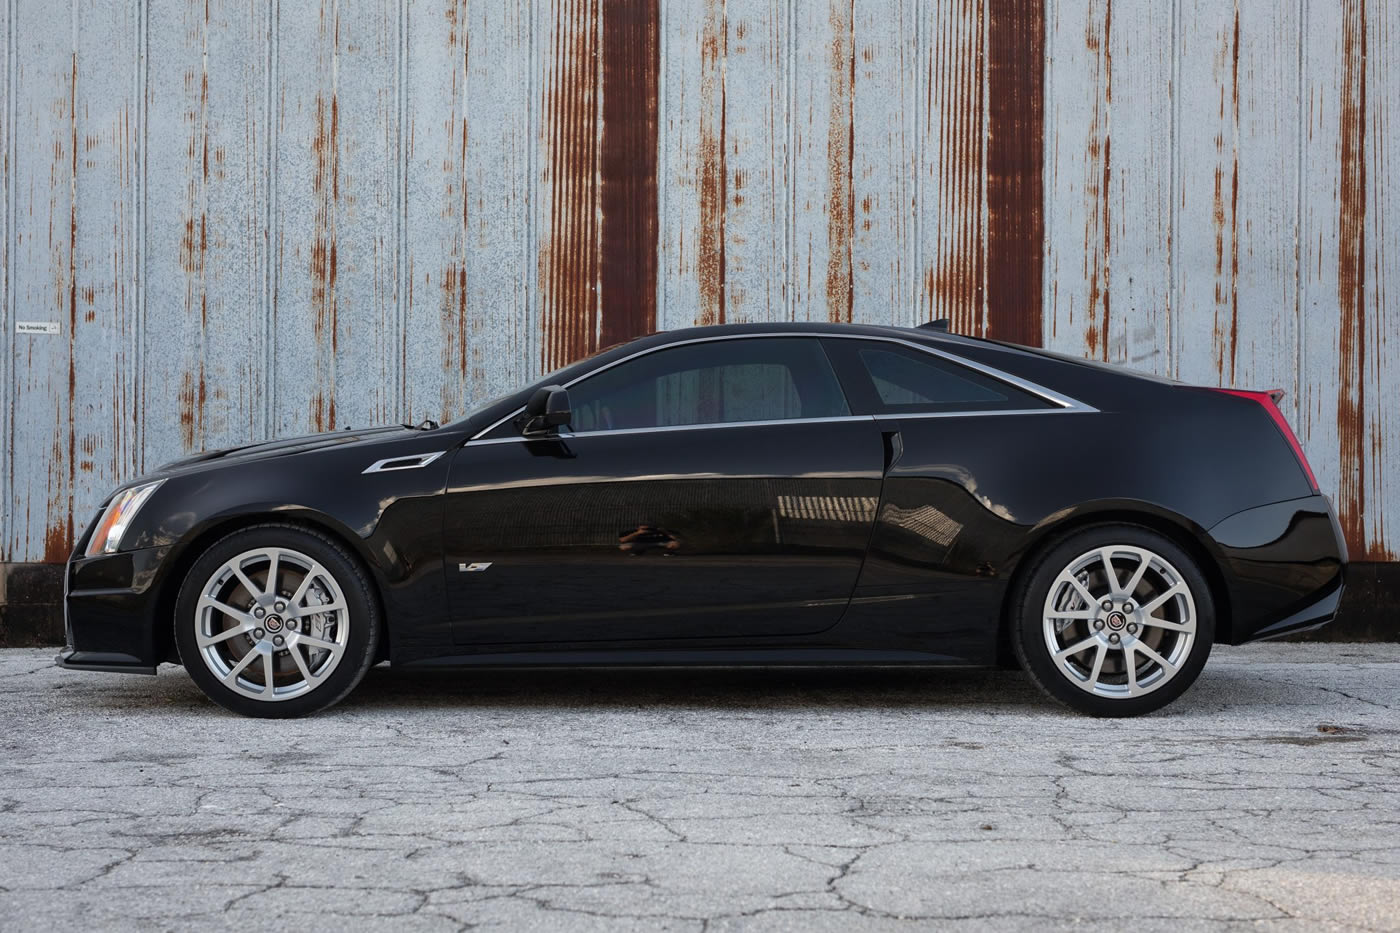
[1098,235]
[840,229]
[1358,456]
[1015,161]
[713,174]
[569,258]
[598,269]
[955,284]
[324,262]
[631,72]
[1227,298]
[194,394]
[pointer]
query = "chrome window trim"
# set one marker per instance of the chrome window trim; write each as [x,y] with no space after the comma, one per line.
[423,460]
[1065,403]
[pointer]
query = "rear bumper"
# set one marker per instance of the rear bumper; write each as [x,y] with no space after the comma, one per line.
[1284,567]
[109,610]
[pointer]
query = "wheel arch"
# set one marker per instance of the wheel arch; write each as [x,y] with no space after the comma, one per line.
[190,550]
[1190,537]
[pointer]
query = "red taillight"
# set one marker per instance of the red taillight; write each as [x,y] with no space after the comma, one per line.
[1270,400]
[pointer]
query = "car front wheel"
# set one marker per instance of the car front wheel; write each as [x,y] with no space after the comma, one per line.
[276,621]
[1115,620]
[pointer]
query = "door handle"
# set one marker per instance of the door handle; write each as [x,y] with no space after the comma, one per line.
[894,448]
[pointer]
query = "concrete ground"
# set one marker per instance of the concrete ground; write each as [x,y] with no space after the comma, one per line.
[1268,797]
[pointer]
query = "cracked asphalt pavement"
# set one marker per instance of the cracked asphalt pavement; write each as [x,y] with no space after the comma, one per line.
[1267,797]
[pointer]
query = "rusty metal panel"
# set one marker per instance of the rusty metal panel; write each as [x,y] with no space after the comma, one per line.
[1109,171]
[204,215]
[469,332]
[881,219]
[1235,320]
[952,166]
[40,506]
[1350,206]
[692,173]
[336,347]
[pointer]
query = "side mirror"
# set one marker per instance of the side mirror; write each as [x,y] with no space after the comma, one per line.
[547,410]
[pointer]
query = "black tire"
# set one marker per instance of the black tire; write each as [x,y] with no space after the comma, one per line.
[1065,680]
[361,619]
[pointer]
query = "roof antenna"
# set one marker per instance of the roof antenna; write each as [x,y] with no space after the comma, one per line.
[940,325]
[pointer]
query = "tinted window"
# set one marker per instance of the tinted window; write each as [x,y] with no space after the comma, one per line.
[751,379]
[889,378]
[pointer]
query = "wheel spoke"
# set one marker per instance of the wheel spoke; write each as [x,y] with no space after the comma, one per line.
[295,651]
[1169,626]
[1072,614]
[1098,664]
[232,676]
[315,642]
[1136,579]
[219,638]
[254,591]
[1162,599]
[226,609]
[1106,555]
[267,671]
[1151,654]
[1130,665]
[1080,588]
[274,559]
[306,581]
[1076,647]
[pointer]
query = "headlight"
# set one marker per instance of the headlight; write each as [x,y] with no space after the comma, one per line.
[120,511]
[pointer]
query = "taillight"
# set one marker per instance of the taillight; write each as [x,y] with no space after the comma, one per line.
[1270,400]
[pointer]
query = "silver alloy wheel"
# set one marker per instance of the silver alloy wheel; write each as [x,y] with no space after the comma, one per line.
[1119,621]
[272,623]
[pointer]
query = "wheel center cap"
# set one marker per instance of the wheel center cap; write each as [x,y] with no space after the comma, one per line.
[1116,621]
[273,623]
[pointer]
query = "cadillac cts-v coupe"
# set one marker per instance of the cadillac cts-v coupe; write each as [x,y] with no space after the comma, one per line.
[761,494]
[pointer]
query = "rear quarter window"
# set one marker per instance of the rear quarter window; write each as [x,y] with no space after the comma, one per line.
[890,378]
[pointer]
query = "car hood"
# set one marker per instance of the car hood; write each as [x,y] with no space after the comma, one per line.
[283,447]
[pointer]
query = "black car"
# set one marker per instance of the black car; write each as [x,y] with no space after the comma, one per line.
[760,494]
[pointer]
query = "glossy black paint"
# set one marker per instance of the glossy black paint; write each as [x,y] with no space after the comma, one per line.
[882,538]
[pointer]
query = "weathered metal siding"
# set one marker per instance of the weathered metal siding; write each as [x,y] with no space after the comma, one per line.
[1235,232]
[255,218]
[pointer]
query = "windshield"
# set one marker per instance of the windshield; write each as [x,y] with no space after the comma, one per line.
[560,376]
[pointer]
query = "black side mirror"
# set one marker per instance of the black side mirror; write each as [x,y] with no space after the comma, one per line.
[547,410]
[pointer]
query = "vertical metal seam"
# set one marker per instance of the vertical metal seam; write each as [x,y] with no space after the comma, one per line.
[399,344]
[533,326]
[140,211]
[1175,287]
[271,234]
[662,170]
[790,215]
[915,297]
[984,156]
[7,314]
[1048,314]
[1300,125]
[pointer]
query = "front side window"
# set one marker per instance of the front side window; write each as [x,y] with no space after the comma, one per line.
[714,382]
[890,378]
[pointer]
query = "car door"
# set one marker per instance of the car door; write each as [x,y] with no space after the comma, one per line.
[711,489]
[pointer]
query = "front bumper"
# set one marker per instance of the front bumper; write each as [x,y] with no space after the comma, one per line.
[1285,568]
[109,611]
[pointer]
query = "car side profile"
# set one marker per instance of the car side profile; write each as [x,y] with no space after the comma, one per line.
[757,494]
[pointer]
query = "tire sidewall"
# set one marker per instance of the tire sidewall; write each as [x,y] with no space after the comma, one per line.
[362,609]
[1027,633]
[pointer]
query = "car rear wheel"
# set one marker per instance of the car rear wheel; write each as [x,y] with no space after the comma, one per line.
[1114,620]
[276,621]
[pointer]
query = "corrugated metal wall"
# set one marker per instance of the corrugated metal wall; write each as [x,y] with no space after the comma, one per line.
[257,218]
